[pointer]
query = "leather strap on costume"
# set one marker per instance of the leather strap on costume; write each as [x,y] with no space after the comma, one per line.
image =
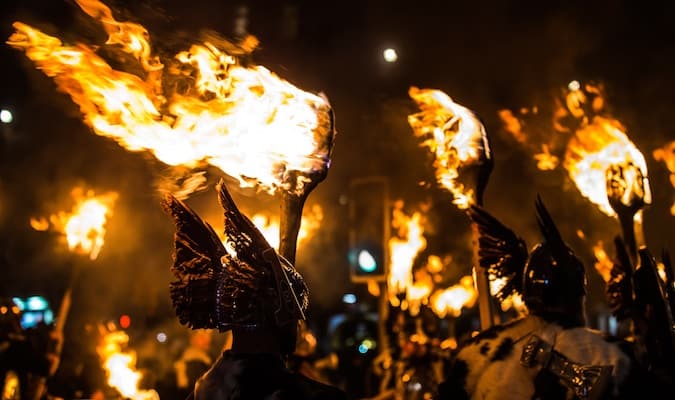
[587,382]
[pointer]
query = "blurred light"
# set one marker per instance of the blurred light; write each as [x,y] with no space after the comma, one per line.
[125,321]
[19,303]
[48,317]
[574,85]
[613,325]
[366,261]
[349,298]
[367,345]
[161,337]
[6,116]
[36,303]
[3,310]
[28,320]
[390,55]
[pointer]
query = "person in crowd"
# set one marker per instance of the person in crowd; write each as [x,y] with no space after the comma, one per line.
[549,353]
[193,362]
[27,357]
[246,287]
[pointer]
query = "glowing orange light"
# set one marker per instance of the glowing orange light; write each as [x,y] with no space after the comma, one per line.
[125,321]
[450,301]
[84,226]
[119,363]
[666,154]
[453,134]
[404,246]
[244,120]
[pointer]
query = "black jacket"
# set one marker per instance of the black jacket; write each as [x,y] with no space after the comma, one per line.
[259,377]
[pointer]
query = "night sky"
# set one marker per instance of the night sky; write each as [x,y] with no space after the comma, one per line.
[486,55]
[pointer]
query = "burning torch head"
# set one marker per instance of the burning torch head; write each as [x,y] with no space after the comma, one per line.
[241,284]
[554,279]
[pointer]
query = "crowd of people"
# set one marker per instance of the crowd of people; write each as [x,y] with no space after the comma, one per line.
[255,298]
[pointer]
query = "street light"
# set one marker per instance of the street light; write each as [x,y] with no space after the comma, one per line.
[390,55]
[6,116]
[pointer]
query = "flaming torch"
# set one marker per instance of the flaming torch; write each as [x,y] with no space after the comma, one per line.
[244,120]
[462,159]
[84,231]
[605,165]
[120,366]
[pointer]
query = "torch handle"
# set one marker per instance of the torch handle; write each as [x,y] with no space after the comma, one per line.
[289,224]
[628,232]
[485,304]
[64,308]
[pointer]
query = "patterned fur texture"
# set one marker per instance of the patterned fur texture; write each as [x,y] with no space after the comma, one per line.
[488,366]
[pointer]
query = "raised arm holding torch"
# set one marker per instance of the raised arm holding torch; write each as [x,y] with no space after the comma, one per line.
[628,193]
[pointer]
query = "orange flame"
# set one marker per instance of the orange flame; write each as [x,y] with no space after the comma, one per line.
[603,263]
[600,144]
[592,151]
[545,160]
[119,364]
[513,125]
[246,121]
[404,246]
[453,299]
[84,227]
[666,154]
[513,301]
[453,134]
[269,225]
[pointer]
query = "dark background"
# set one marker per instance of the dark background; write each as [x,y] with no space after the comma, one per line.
[485,55]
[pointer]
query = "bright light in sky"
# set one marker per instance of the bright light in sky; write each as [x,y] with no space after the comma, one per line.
[390,55]
[6,116]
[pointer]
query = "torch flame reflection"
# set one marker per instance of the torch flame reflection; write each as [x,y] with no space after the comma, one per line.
[246,121]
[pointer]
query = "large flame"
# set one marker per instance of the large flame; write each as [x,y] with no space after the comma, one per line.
[246,121]
[269,225]
[453,134]
[593,150]
[450,301]
[120,366]
[666,154]
[83,227]
[404,246]
[598,147]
